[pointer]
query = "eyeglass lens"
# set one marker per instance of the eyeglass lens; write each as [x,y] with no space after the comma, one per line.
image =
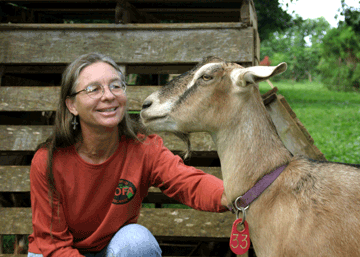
[97,91]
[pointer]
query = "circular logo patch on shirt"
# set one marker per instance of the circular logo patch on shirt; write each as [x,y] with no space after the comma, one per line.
[124,192]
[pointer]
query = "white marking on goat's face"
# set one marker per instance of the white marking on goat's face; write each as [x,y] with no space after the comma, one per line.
[196,95]
[201,72]
[158,109]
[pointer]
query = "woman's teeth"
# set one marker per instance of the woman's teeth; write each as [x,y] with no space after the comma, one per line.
[108,110]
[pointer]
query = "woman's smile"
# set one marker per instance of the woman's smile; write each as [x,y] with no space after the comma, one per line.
[107,110]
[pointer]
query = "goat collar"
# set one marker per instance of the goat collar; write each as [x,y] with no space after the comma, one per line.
[242,202]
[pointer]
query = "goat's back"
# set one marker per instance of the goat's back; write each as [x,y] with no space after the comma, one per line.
[317,208]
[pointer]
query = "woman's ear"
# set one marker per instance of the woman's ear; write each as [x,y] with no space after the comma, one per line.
[70,104]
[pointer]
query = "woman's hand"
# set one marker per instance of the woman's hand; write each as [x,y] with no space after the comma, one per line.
[224,200]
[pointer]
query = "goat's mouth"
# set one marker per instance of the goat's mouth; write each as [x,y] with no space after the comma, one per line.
[159,123]
[148,120]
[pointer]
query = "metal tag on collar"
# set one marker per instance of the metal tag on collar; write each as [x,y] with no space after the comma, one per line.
[243,211]
[239,207]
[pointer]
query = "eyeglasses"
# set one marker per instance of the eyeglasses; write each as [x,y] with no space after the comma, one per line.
[96,91]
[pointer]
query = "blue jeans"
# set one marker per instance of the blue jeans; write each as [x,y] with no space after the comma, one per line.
[130,240]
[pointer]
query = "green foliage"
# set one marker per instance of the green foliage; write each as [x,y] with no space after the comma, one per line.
[340,58]
[299,46]
[351,16]
[8,243]
[340,55]
[271,17]
[332,118]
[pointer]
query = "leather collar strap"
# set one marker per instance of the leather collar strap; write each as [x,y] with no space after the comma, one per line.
[242,202]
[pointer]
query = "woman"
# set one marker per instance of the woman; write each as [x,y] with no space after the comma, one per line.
[89,179]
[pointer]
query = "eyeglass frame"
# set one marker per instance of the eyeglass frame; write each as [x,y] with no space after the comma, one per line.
[102,88]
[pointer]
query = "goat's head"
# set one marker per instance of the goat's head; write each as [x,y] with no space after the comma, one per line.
[202,99]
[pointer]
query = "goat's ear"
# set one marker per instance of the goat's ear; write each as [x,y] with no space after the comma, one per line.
[257,74]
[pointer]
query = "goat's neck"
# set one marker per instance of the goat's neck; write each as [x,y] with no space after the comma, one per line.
[248,147]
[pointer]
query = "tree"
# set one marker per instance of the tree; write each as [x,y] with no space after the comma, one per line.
[299,46]
[340,53]
[271,18]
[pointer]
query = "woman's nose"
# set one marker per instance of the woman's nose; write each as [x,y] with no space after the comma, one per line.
[107,93]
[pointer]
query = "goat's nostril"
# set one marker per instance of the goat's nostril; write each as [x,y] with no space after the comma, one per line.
[146,104]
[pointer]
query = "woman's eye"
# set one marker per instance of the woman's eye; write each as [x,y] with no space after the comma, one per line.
[207,77]
[92,89]
[115,86]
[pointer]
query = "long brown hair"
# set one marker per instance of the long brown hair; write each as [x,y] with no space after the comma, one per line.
[63,134]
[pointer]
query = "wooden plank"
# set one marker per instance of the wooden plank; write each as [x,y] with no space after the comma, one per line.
[248,14]
[13,255]
[46,98]
[16,178]
[34,69]
[130,1]
[10,80]
[293,134]
[126,44]
[135,15]
[2,73]
[26,138]
[224,11]
[13,98]
[189,223]
[161,222]
[166,68]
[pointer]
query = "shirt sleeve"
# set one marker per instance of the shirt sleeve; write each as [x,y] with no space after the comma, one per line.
[186,184]
[60,241]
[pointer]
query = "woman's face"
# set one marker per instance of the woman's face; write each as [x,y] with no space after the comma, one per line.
[105,112]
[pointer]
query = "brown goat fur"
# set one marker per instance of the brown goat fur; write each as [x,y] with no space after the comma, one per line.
[311,209]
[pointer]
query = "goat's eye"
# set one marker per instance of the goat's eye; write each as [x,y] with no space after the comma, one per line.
[207,77]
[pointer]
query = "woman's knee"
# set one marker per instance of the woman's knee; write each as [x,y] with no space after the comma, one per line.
[133,240]
[34,254]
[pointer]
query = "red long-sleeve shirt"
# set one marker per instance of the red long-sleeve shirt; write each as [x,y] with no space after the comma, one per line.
[96,200]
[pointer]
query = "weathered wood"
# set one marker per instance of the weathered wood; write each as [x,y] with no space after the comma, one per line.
[26,138]
[17,81]
[2,72]
[13,255]
[136,16]
[161,222]
[15,221]
[126,44]
[248,14]
[166,68]
[193,11]
[189,223]
[293,134]
[256,48]
[130,1]
[121,14]
[29,98]
[46,98]
[16,178]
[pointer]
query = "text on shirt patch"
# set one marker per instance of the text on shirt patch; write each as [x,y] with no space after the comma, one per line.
[124,192]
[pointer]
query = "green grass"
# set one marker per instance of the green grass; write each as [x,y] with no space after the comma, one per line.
[332,118]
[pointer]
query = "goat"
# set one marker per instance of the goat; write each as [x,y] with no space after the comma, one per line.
[311,209]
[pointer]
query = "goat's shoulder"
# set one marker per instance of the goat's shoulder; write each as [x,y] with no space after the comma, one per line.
[313,177]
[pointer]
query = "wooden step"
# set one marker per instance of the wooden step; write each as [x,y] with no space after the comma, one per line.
[126,44]
[46,98]
[26,138]
[16,178]
[161,222]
